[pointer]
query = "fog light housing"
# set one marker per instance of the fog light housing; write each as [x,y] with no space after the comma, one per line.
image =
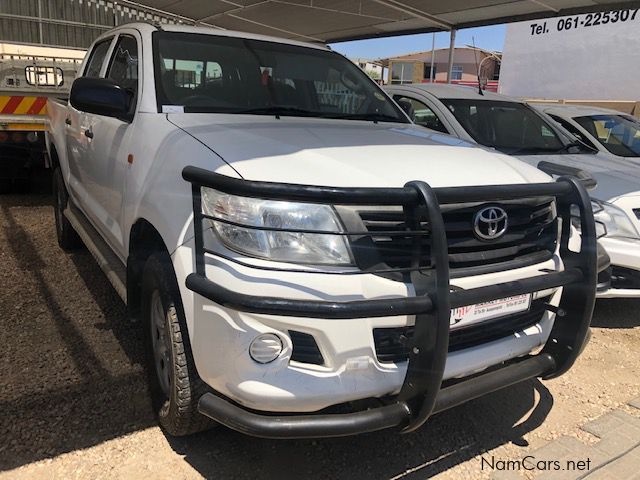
[265,348]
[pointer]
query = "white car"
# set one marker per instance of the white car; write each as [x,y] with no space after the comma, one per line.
[608,131]
[511,126]
[263,208]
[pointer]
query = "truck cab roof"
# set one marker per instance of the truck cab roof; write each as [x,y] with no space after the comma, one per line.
[444,90]
[148,28]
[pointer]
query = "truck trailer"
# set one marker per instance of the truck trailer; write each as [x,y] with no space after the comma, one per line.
[29,75]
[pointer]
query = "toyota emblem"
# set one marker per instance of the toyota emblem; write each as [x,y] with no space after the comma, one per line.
[490,223]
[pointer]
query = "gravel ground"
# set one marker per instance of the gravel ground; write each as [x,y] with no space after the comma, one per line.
[74,402]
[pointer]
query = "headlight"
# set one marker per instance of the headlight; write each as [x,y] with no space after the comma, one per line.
[275,245]
[610,221]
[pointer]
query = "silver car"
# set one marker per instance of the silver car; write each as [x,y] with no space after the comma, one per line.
[515,128]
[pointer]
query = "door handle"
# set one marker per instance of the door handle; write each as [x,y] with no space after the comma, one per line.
[88,133]
[67,121]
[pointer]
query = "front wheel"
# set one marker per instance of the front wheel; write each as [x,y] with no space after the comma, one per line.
[174,382]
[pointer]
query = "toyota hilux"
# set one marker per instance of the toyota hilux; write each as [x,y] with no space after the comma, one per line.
[304,260]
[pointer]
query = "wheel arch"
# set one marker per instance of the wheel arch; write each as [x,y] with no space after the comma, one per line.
[144,240]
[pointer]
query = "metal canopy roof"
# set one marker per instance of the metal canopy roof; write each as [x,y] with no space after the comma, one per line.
[338,20]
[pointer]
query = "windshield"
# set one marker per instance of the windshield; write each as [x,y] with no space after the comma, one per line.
[216,74]
[509,127]
[618,134]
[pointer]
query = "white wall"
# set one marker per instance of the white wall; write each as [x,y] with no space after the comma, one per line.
[597,62]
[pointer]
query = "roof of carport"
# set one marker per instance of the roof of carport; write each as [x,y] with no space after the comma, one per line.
[338,20]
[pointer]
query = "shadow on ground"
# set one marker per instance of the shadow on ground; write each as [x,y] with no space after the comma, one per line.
[71,374]
[447,439]
[71,378]
[616,313]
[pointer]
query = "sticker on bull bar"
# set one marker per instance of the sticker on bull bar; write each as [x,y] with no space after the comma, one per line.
[470,314]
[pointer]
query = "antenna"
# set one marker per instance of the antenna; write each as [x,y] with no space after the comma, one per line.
[475,55]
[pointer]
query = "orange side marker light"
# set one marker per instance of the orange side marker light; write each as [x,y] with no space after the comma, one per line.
[130,159]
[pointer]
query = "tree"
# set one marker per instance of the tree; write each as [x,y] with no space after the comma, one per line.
[373,74]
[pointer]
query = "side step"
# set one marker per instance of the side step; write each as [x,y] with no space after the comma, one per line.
[108,261]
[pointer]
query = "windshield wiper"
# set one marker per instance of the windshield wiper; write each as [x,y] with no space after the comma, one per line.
[277,111]
[372,117]
[301,112]
[527,150]
[581,146]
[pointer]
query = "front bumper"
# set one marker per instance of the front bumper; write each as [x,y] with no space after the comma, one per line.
[625,268]
[387,416]
[421,393]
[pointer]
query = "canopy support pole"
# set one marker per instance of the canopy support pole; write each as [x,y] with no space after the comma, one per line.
[452,46]
[432,75]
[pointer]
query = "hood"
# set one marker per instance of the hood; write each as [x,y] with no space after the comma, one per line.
[615,176]
[349,153]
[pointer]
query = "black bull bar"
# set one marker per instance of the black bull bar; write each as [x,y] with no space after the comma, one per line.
[422,393]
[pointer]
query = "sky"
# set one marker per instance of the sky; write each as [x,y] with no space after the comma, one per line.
[489,38]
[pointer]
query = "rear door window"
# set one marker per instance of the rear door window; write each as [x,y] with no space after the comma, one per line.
[98,54]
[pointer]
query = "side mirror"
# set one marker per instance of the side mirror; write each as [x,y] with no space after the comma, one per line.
[406,106]
[552,169]
[100,96]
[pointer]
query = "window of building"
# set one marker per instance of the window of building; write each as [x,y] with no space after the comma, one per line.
[427,71]
[456,72]
[496,71]
[402,72]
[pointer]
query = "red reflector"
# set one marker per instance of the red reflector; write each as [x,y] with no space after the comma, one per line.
[4,136]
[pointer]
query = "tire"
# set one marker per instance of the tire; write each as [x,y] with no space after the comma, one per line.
[68,239]
[175,386]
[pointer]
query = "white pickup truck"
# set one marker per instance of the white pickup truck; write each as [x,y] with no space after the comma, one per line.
[305,261]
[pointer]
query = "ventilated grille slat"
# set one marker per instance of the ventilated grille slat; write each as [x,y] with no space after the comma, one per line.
[531,229]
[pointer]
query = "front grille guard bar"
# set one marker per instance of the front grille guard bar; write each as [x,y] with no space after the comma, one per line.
[421,393]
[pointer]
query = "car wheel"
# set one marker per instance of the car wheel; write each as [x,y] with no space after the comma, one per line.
[174,383]
[68,239]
